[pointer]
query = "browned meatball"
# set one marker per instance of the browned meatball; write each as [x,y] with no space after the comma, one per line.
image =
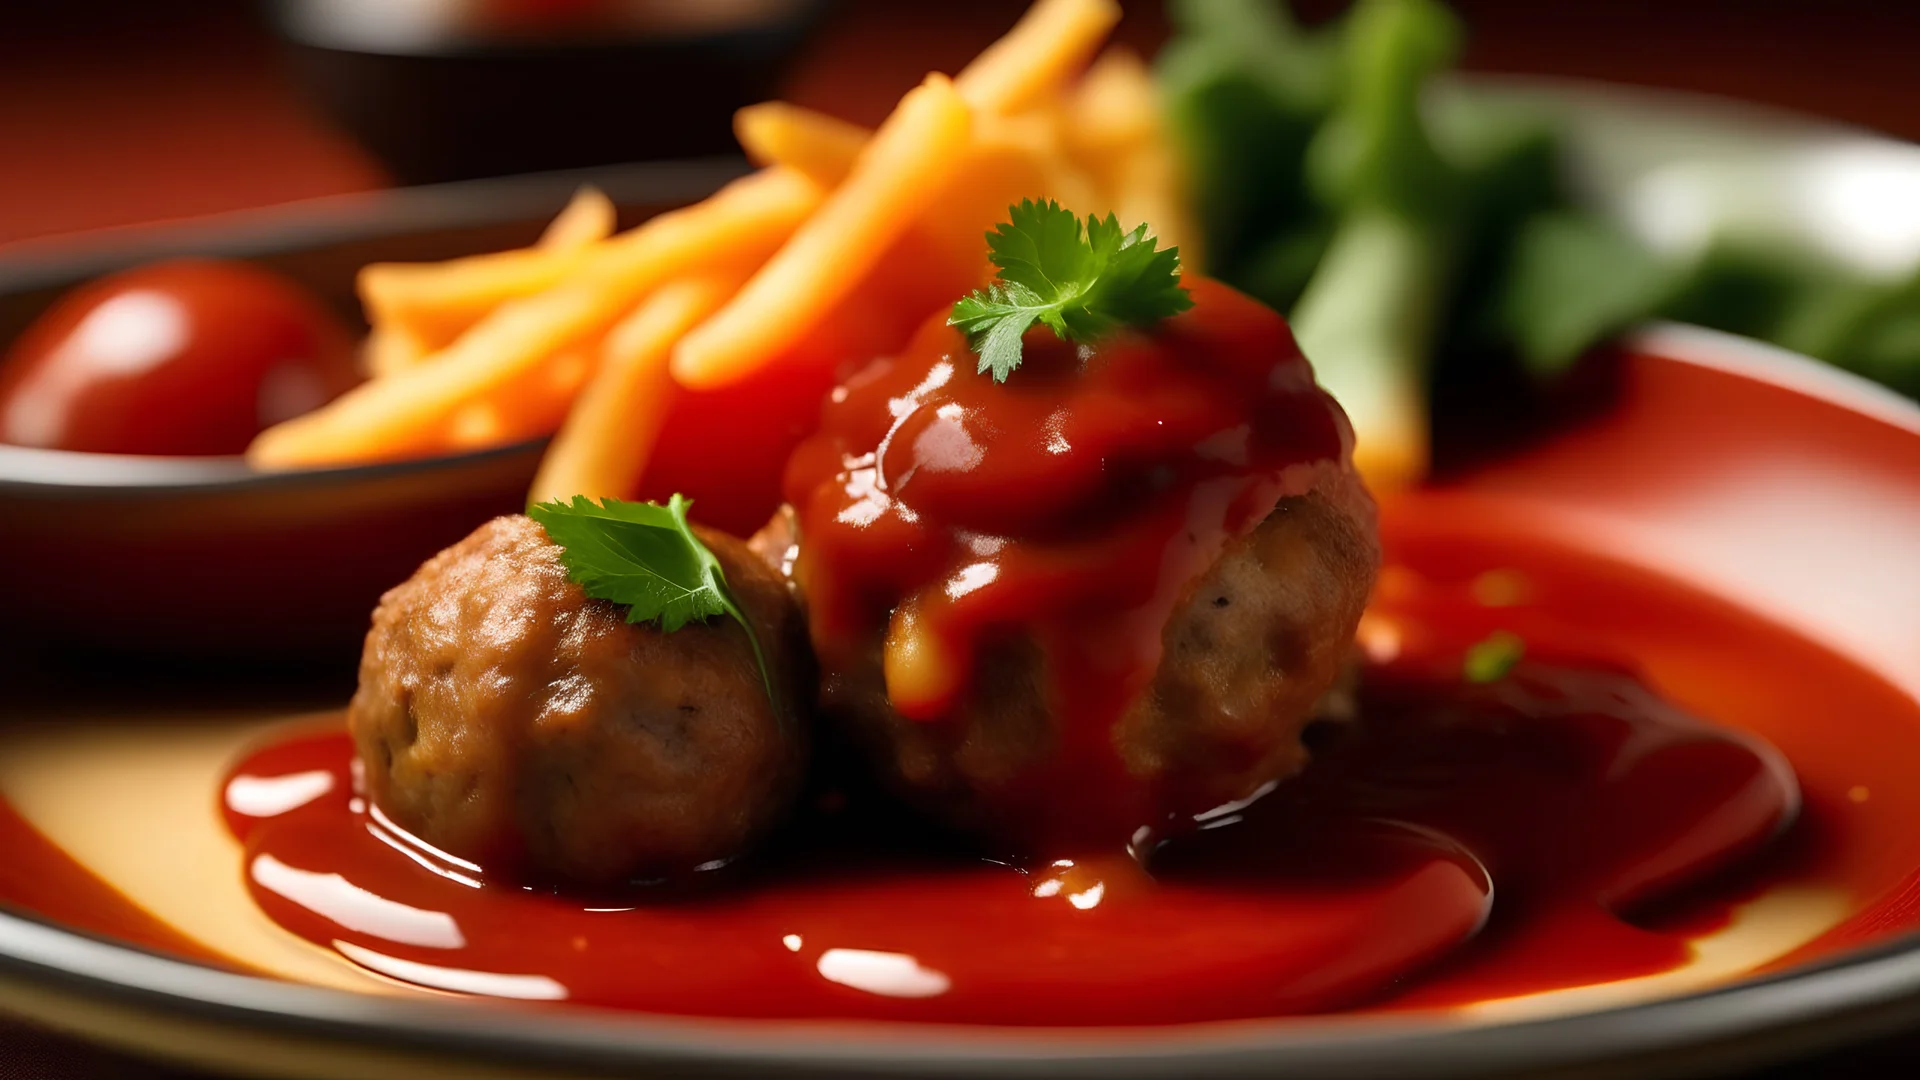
[1095,595]
[506,718]
[1249,653]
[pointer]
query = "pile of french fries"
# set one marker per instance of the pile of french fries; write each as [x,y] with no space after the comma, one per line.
[724,322]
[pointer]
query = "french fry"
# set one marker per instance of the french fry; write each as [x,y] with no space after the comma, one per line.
[821,147]
[408,413]
[532,406]
[898,175]
[391,347]
[1039,56]
[1115,108]
[1113,129]
[1149,186]
[587,219]
[597,334]
[602,449]
[1010,158]
[739,225]
[478,423]
[436,302]
[1114,101]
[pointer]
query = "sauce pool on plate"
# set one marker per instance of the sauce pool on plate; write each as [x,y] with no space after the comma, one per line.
[859,914]
[1457,841]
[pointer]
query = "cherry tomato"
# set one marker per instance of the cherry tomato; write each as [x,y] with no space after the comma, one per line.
[190,357]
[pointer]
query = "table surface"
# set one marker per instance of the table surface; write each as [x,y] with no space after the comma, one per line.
[124,112]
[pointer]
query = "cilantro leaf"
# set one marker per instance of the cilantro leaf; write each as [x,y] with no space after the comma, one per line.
[1080,282]
[1489,661]
[646,558]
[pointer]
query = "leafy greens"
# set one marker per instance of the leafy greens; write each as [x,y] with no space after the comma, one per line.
[1080,282]
[646,558]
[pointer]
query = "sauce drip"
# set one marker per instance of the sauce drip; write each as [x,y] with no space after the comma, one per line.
[1450,820]
[946,516]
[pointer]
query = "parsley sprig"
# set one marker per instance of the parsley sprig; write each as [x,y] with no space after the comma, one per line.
[1081,282]
[646,558]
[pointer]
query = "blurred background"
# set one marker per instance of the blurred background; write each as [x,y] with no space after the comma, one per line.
[118,112]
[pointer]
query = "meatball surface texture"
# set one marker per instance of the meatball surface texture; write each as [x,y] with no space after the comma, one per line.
[506,718]
[1078,607]
[1248,653]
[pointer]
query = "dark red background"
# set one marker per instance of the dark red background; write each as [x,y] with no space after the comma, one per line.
[122,111]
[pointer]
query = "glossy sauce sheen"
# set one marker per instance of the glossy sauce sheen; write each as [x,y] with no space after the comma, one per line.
[1071,506]
[1568,791]
[856,915]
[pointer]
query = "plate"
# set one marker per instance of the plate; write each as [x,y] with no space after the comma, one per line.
[1759,479]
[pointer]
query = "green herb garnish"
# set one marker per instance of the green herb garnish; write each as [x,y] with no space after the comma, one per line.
[1489,661]
[646,558]
[1079,281]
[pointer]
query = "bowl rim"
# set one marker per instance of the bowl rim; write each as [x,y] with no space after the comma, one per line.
[69,258]
[32,471]
[1863,991]
[298,25]
[60,262]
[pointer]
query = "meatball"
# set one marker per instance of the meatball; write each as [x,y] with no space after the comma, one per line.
[1248,654]
[505,717]
[1098,596]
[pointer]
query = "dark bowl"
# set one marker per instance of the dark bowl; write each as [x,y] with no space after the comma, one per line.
[148,555]
[437,104]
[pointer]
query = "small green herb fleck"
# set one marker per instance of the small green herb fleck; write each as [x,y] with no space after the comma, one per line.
[1489,661]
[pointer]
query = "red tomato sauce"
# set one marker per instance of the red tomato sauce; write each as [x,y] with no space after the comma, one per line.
[1456,843]
[1654,759]
[1565,825]
[943,512]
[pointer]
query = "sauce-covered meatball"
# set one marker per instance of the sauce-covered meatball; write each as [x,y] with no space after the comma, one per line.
[1100,597]
[505,717]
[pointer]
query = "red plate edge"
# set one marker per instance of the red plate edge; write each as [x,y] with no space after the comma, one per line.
[1791,489]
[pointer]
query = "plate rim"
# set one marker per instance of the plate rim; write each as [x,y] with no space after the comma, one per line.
[1876,988]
